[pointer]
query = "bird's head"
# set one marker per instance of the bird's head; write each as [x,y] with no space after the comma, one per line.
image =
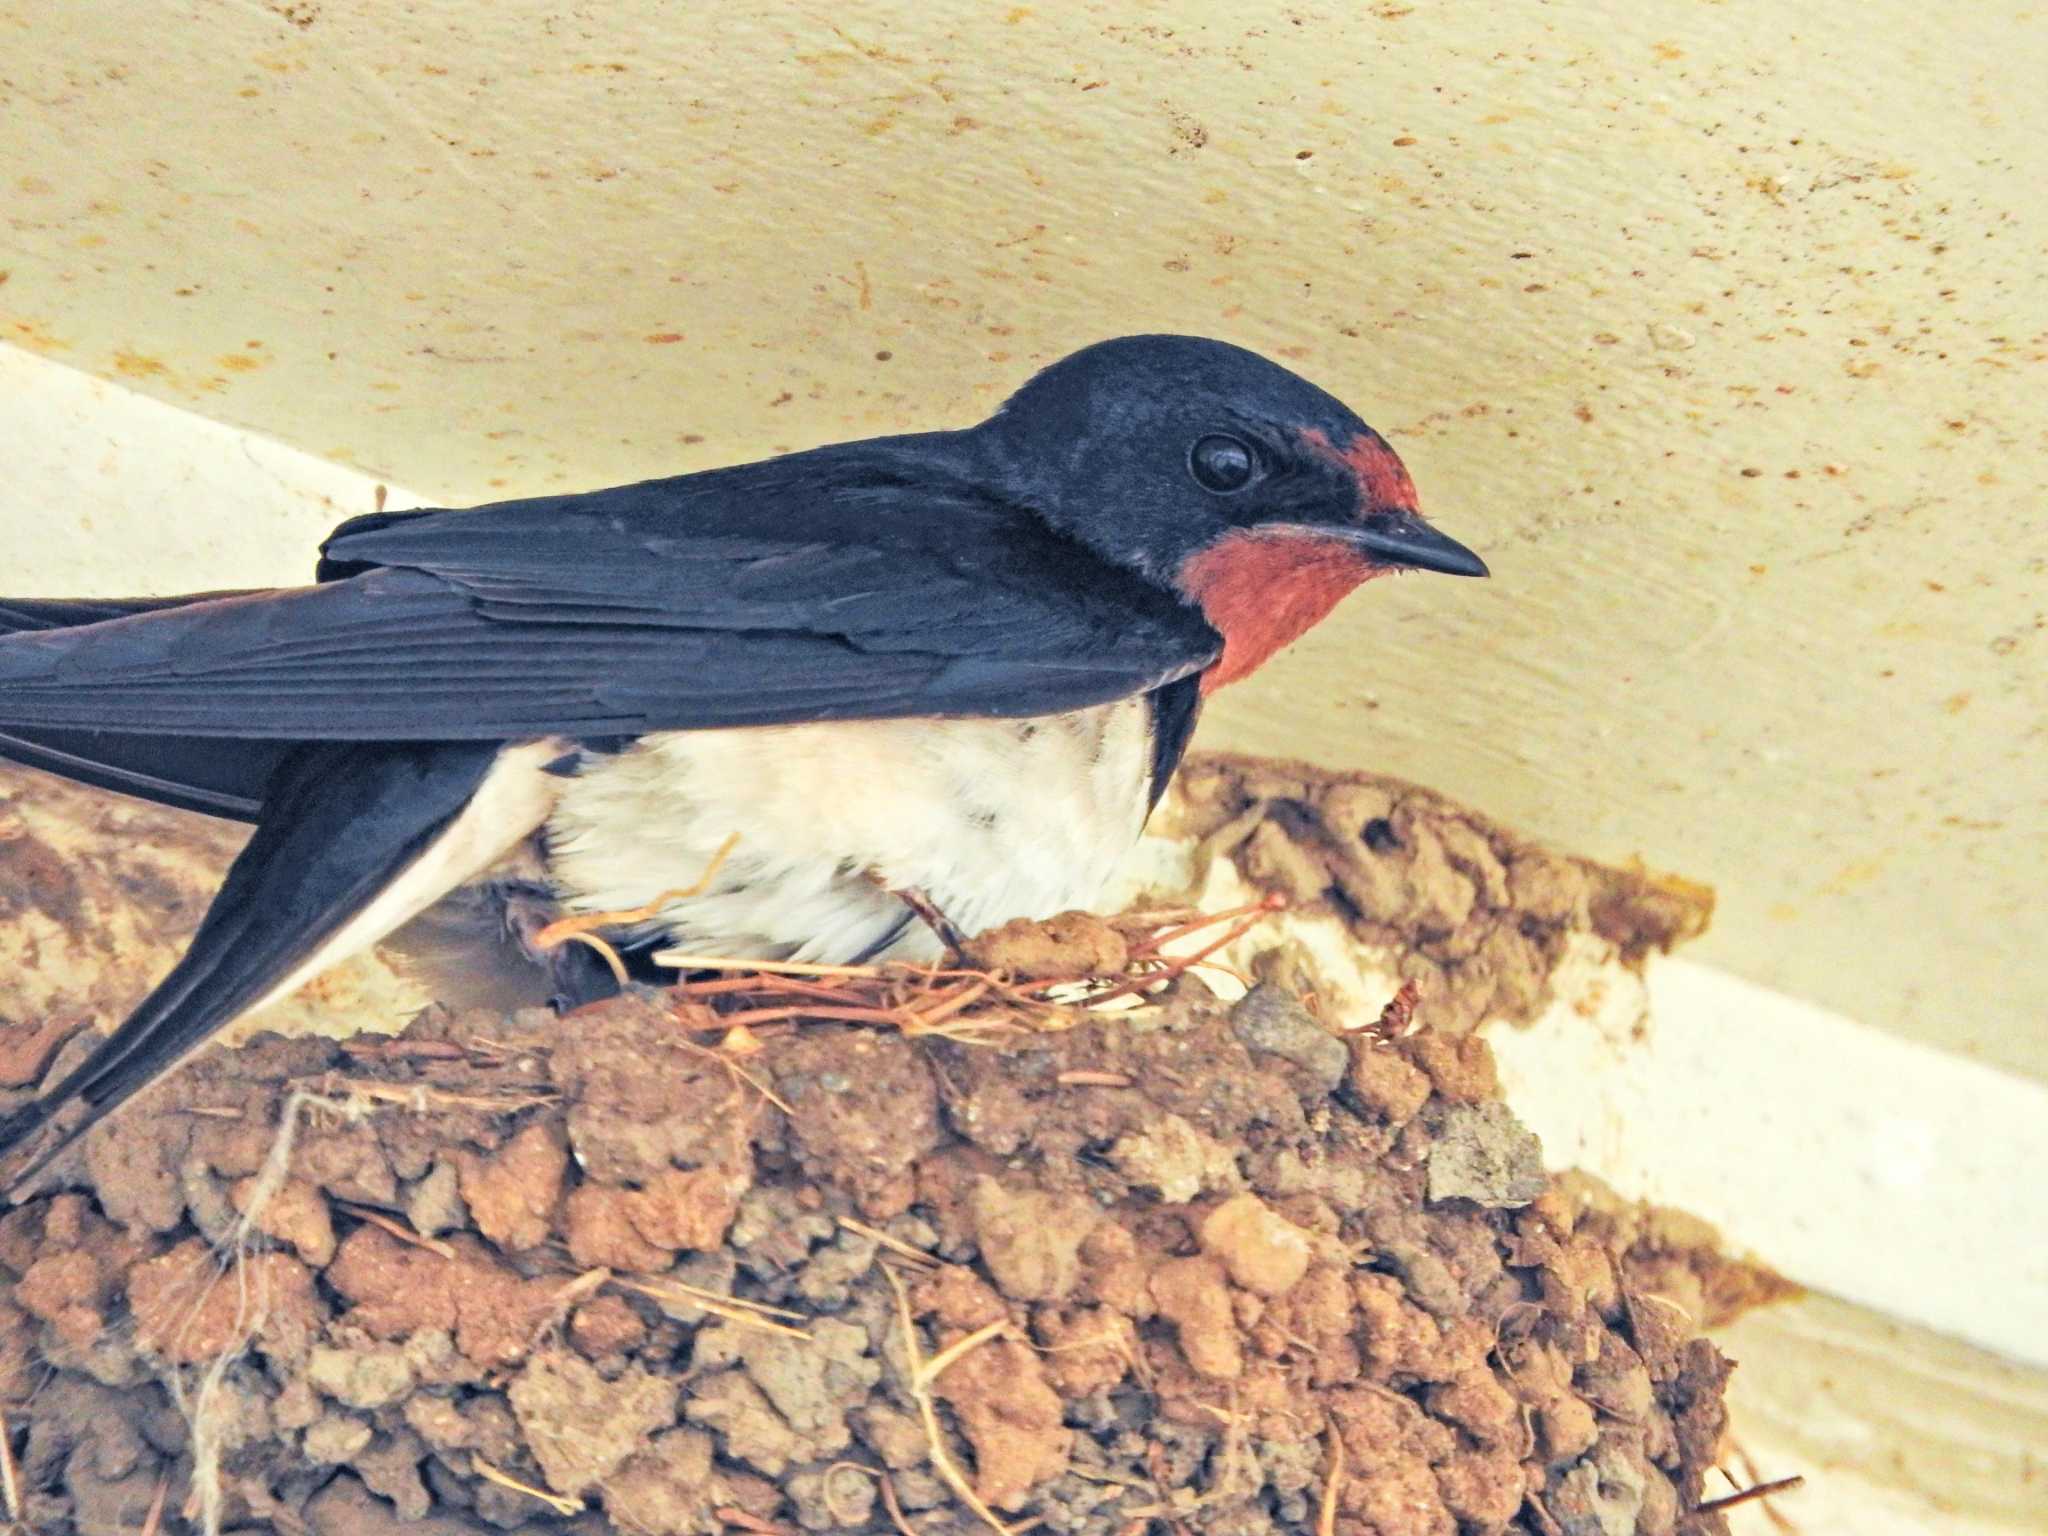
[1245,489]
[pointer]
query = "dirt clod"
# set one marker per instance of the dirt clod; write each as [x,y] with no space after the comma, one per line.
[511,1193]
[1261,1250]
[1074,944]
[582,1428]
[1483,1153]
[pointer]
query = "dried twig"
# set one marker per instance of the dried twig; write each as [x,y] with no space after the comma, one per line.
[1084,1079]
[560,1503]
[567,1296]
[920,1380]
[679,960]
[1750,1470]
[893,1244]
[397,1228]
[154,1520]
[895,1507]
[732,1514]
[948,1357]
[1195,921]
[846,1522]
[1326,1517]
[1744,1496]
[740,1074]
[1139,984]
[734,1309]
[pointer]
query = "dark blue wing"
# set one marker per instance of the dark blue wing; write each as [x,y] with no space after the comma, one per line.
[867,581]
[342,823]
[200,773]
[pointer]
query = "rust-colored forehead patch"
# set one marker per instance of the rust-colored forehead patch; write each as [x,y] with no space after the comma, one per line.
[1382,477]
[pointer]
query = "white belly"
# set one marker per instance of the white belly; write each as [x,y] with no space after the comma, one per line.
[990,819]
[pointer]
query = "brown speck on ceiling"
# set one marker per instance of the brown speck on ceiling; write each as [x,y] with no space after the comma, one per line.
[140,365]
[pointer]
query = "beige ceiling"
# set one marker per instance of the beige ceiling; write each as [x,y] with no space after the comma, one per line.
[1717,327]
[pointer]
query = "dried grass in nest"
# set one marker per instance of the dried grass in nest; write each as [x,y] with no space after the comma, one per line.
[753,1000]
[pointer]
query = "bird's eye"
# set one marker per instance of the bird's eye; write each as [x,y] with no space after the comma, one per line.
[1221,464]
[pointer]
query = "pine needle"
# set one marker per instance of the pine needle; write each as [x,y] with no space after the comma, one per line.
[561,1504]
[397,1228]
[734,1309]
[567,1296]
[679,960]
[825,1489]
[740,1074]
[1326,1517]
[895,1507]
[154,1520]
[733,1515]
[893,1244]
[1744,1496]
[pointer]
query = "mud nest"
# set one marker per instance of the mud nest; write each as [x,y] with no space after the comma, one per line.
[1185,1268]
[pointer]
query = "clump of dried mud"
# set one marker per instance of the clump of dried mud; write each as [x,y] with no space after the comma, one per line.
[1477,916]
[1190,1268]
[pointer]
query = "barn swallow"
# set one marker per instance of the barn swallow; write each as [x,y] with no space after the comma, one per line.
[951,670]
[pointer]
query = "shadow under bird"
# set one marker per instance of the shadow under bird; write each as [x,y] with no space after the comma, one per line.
[946,673]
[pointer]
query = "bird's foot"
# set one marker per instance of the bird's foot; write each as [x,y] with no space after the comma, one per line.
[948,931]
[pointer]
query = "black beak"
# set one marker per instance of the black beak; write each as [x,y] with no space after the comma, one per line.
[1402,538]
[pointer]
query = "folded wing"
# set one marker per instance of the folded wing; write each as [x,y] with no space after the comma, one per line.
[850,583]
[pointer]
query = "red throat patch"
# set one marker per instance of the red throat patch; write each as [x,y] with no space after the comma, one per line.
[1262,592]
